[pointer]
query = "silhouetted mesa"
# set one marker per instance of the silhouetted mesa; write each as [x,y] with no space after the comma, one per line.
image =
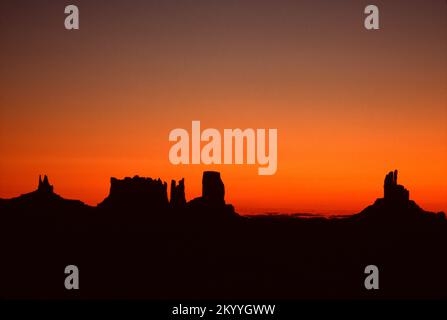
[153,249]
[136,192]
[149,195]
[177,199]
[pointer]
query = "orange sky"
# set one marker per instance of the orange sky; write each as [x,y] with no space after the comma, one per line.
[349,104]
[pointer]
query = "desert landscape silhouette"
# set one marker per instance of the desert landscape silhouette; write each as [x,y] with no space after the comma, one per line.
[140,243]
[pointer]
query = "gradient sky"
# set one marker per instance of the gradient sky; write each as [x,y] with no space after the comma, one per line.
[349,104]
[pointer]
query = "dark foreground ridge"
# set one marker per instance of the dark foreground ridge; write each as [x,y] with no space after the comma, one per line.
[138,243]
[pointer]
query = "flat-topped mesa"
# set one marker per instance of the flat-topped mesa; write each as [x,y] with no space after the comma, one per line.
[44,186]
[136,192]
[213,190]
[393,192]
[177,199]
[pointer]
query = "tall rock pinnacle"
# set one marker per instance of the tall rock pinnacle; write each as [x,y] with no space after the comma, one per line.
[213,190]
[177,199]
[44,185]
[393,192]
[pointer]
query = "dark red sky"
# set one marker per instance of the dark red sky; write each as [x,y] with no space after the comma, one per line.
[349,104]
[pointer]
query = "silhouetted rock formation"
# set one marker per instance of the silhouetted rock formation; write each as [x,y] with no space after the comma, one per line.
[177,199]
[211,205]
[136,192]
[44,200]
[213,190]
[44,186]
[396,206]
[393,192]
[140,246]
[150,196]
